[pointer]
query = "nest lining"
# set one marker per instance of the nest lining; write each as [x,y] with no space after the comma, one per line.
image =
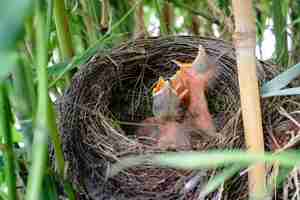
[111,95]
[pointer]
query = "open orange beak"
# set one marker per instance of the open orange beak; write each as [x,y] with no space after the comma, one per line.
[189,84]
[159,85]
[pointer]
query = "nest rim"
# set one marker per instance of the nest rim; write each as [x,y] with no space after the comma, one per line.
[92,140]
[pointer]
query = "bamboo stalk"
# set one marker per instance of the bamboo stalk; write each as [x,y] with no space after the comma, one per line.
[59,158]
[199,24]
[140,29]
[7,137]
[63,32]
[168,16]
[104,23]
[56,140]
[40,143]
[45,125]
[245,41]
[89,23]
[163,26]
[227,23]
[195,26]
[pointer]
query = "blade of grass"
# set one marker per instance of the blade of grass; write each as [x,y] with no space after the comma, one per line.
[8,60]
[63,32]
[24,103]
[197,160]
[281,80]
[199,12]
[49,188]
[81,59]
[59,157]
[163,27]
[89,22]
[282,175]
[3,196]
[280,32]
[30,82]
[284,92]
[118,10]
[219,179]
[49,19]
[7,137]
[58,70]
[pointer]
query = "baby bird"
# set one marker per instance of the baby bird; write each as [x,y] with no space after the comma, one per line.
[169,126]
[190,84]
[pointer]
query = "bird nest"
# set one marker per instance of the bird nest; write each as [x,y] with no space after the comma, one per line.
[111,95]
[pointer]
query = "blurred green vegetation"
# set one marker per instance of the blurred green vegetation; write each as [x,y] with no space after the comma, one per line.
[44,42]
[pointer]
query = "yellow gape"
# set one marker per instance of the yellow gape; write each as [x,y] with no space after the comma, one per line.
[159,85]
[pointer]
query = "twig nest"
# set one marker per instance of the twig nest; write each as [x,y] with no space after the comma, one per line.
[109,99]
